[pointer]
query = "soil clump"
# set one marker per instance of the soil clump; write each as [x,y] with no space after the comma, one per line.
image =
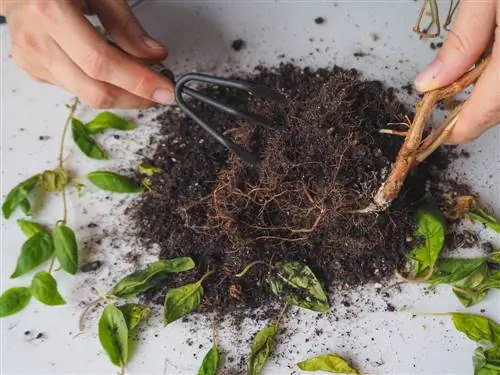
[324,159]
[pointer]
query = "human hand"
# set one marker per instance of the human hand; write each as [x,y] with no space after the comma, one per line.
[54,42]
[475,30]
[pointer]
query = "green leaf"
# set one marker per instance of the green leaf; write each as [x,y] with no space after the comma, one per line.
[30,228]
[55,180]
[493,282]
[494,257]
[25,206]
[113,182]
[66,248]
[134,314]
[480,215]
[79,190]
[469,297]
[17,197]
[327,362]
[262,347]
[108,120]
[36,250]
[183,300]
[477,328]
[211,362]
[454,270]
[431,228]
[296,284]
[14,300]
[44,289]
[148,169]
[85,142]
[143,280]
[486,362]
[113,335]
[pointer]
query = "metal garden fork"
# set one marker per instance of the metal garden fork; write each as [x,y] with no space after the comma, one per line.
[181,90]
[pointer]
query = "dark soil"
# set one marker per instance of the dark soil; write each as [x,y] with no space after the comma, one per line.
[319,20]
[325,159]
[238,44]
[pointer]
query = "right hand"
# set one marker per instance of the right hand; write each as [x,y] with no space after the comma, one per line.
[476,29]
[54,43]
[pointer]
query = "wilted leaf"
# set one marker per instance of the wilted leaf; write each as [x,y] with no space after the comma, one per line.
[148,169]
[262,348]
[134,314]
[477,328]
[142,280]
[482,216]
[211,362]
[108,120]
[327,362]
[55,180]
[113,182]
[85,142]
[296,284]
[17,197]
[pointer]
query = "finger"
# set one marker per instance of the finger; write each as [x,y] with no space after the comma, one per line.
[482,109]
[94,93]
[103,62]
[469,37]
[125,29]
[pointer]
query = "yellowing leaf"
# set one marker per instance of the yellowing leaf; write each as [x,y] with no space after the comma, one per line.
[327,362]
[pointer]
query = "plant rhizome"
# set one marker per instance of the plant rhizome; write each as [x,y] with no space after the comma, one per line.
[324,159]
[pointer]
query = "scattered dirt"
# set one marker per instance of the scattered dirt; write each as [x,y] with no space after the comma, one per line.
[324,159]
[238,44]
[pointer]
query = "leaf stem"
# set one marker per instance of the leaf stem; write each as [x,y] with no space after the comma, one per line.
[214,330]
[282,312]
[65,129]
[205,276]
[52,261]
[81,321]
[61,155]
[250,265]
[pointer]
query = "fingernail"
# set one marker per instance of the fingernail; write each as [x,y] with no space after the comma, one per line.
[151,43]
[427,77]
[163,96]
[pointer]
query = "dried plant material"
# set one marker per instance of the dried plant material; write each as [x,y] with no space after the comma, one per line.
[460,207]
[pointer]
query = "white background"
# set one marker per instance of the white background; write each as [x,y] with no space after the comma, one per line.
[199,35]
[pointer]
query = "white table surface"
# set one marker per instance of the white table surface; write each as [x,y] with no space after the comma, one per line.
[199,35]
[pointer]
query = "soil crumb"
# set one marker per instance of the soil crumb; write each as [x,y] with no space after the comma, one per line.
[238,44]
[324,159]
[319,20]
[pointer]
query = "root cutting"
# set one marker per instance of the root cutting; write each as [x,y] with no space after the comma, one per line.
[414,151]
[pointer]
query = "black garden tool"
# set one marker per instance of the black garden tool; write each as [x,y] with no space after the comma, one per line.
[182,90]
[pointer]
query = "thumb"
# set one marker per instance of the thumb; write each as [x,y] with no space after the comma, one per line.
[468,39]
[126,31]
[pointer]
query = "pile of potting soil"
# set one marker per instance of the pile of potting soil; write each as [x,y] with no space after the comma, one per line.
[324,160]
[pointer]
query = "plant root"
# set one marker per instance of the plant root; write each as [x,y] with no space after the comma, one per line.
[414,151]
